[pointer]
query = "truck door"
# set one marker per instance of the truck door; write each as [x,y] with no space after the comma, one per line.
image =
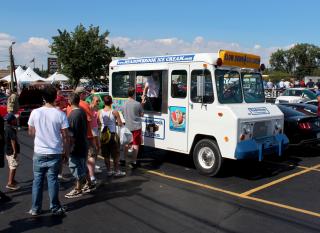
[201,108]
[177,121]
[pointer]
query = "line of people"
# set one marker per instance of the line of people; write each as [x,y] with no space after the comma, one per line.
[72,137]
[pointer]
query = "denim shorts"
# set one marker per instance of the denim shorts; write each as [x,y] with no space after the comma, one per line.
[78,167]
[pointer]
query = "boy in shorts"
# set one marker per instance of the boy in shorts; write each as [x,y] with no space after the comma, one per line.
[12,149]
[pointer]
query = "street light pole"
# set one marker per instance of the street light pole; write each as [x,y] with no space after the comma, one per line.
[11,66]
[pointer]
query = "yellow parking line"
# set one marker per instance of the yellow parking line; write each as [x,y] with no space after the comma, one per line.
[299,210]
[251,191]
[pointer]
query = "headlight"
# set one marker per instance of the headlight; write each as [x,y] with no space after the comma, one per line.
[278,126]
[246,128]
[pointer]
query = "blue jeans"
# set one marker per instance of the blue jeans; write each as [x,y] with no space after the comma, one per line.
[78,167]
[42,165]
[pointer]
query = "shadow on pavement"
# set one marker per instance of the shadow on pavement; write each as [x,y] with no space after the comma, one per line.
[26,224]
[106,191]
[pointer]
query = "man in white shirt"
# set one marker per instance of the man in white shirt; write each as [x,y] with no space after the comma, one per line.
[151,92]
[50,128]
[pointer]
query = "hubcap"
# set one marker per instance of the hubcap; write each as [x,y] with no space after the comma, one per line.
[206,157]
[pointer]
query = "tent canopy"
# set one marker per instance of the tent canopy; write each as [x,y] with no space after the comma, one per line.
[19,71]
[57,77]
[29,76]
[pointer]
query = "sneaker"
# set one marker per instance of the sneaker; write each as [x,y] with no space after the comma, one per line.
[63,178]
[13,186]
[34,213]
[88,188]
[119,174]
[74,193]
[59,212]
[97,170]
[134,165]
[110,173]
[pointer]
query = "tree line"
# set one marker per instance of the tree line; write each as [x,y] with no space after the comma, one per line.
[297,62]
[86,52]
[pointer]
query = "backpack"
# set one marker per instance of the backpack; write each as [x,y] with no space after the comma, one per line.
[105,135]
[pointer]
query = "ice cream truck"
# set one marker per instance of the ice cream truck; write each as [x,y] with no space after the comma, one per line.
[207,105]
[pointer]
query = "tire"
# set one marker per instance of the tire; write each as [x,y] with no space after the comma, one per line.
[207,157]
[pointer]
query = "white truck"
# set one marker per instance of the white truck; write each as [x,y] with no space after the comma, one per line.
[209,105]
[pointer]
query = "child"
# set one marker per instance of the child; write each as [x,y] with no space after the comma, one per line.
[12,149]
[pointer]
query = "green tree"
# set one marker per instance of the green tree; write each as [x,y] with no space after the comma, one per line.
[299,61]
[84,53]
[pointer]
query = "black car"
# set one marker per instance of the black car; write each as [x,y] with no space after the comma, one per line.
[301,123]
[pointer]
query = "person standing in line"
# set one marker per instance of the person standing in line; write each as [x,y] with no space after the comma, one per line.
[109,118]
[133,110]
[12,103]
[50,128]
[79,148]
[12,149]
[95,139]
[3,198]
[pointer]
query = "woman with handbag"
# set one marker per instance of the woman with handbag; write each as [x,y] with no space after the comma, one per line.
[110,144]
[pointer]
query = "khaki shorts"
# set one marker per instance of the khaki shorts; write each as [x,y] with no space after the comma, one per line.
[13,163]
[92,150]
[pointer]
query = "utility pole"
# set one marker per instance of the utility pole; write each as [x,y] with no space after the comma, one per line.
[12,68]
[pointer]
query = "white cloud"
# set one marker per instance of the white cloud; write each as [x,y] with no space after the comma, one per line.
[141,47]
[23,52]
[38,48]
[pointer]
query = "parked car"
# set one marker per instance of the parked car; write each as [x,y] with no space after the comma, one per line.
[28,100]
[301,124]
[101,95]
[295,95]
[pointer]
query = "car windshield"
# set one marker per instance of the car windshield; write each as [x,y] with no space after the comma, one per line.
[252,87]
[228,86]
[298,92]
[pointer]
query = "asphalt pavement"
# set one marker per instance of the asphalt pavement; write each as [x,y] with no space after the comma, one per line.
[168,195]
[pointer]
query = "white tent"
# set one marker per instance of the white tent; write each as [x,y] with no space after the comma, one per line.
[57,77]
[29,76]
[19,71]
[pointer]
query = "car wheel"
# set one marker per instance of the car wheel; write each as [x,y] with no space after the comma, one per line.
[207,157]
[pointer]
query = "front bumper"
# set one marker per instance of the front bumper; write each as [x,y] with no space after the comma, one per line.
[257,148]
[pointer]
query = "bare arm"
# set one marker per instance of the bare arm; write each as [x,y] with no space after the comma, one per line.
[65,141]
[14,147]
[118,118]
[31,130]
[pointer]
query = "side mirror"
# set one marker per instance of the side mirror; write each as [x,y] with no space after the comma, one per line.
[200,85]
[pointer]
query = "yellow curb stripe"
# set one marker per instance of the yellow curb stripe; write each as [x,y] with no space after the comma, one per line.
[193,183]
[303,211]
[295,209]
[251,191]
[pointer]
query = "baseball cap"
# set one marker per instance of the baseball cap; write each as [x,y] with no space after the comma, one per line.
[79,90]
[10,117]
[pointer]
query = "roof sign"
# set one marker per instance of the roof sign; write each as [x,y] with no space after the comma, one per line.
[244,60]
[160,59]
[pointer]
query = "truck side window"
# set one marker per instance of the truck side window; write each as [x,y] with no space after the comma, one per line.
[121,81]
[179,84]
[208,89]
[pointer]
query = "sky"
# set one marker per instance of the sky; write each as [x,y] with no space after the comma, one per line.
[146,28]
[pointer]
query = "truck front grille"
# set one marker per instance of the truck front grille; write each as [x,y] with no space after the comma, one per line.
[260,129]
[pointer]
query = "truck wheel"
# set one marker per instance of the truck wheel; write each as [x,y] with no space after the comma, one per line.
[207,157]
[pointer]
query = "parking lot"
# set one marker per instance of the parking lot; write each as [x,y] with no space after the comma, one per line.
[168,195]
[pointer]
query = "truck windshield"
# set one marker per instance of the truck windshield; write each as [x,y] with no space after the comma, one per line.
[228,86]
[252,87]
